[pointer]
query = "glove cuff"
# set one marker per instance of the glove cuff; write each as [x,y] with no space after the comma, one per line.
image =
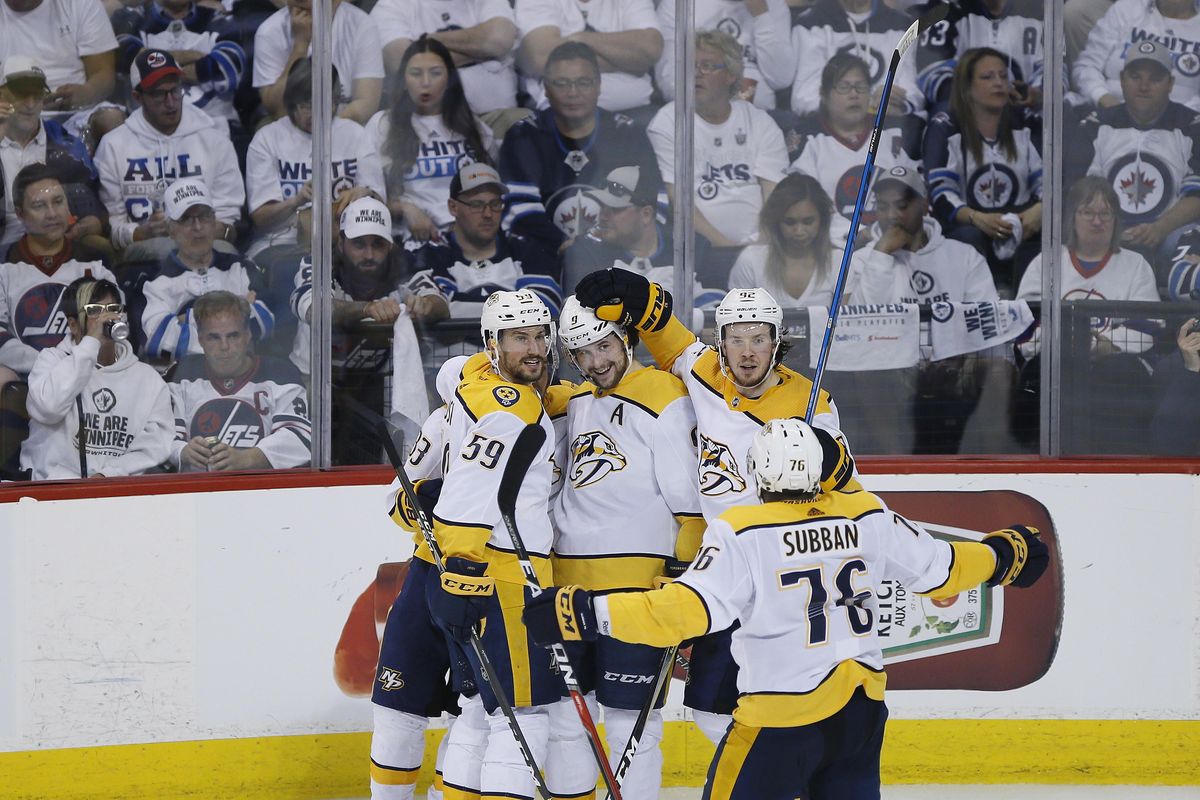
[576,618]
[1012,553]
[658,309]
[466,578]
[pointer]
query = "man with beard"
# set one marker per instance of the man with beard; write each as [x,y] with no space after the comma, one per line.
[476,258]
[483,582]
[735,389]
[628,457]
[368,287]
[235,410]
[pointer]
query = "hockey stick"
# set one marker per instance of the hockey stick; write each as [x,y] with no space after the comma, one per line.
[930,18]
[489,671]
[524,450]
[639,725]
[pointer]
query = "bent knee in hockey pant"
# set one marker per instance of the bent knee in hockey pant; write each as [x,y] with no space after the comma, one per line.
[397,748]
[505,771]
[712,725]
[570,768]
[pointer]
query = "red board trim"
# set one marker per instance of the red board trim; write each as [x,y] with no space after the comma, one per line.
[379,475]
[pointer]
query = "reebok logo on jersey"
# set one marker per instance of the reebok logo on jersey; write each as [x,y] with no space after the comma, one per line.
[718,469]
[593,457]
[390,680]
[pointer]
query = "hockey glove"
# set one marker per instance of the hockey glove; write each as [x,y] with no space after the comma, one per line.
[671,570]
[560,615]
[404,515]
[463,598]
[837,465]
[625,298]
[1021,557]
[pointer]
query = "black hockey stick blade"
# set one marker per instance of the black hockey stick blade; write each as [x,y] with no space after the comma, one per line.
[524,450]
[927,20]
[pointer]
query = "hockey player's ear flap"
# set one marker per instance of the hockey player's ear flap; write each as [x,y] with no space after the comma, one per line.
[626,298]
[1021,557]
[837,465]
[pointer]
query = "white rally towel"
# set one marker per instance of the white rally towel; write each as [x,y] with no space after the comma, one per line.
[409,396]
[958,328]
[867,337]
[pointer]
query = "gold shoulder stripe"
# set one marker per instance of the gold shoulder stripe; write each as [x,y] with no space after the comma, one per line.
[488,396]
[651,389]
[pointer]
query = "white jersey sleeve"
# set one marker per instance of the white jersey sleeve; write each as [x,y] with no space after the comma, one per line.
[721,576]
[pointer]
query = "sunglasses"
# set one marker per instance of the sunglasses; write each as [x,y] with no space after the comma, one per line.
[96,309]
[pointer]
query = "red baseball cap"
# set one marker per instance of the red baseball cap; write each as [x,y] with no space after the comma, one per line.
[151,67]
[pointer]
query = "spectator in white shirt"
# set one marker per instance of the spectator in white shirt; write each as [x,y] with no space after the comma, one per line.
[165,140]
[72,40]
[279,164]
[286,37]
[624,34]
[90,389]
[480,34]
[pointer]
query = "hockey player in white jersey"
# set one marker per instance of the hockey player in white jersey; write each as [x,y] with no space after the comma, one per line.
[235,410]
[810,716]
[483,582]
[735,388]
[628,461]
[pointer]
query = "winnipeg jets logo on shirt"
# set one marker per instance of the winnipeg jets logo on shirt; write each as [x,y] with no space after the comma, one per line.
[38,320]
[104,400]
[718,469]
[870,55]
[1143,186]
[574,211]
[993,186]
[231,420]
[593,457]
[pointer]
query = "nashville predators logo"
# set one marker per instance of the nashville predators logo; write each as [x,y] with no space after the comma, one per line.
[390,679]
[593,457]
[718,469]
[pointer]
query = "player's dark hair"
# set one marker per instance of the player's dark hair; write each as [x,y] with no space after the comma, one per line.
[211,304]
[1084,191]
[82,291]
[402,141]
[793,189]
[785,345]
[30,175]
[298,87]
[573,51]
[963,107]
[836,69]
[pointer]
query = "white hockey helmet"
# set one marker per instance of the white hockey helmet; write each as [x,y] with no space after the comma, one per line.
[747,305]
[504,311]
[786,456]
[579,326]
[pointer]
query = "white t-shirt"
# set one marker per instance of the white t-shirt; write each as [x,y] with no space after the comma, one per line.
[730,158]
[750,271]
[279,163]
[489,85]
[618,90]
[837,165]
[357,52]
[440,155]
[58,33]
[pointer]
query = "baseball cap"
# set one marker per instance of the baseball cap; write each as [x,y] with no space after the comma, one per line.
[1149,50]
[152,66]
[182,195]
[21,68]
[476,176]
[625,188]
[905,176]
[366,216]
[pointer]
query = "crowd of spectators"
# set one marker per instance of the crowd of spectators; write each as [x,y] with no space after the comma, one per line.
[156,171]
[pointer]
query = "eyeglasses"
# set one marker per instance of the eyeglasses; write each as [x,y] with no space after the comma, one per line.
[198,218]
[160,94]
[709,67]
[580,84]
[96,309]
[618,190]
[478,206]
[1099,216]
[846,87]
